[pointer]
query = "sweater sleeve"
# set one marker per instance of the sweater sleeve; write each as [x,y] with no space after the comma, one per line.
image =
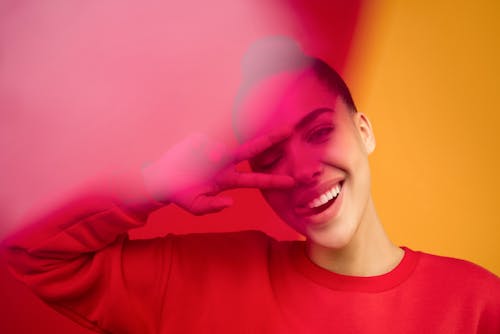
[489,309]
[80,261]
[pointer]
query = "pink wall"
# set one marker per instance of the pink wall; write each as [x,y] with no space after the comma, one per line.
[88,87]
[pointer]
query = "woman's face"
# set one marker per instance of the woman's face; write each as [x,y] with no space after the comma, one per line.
[327,155]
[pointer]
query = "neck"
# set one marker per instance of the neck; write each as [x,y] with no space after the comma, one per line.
[370,252]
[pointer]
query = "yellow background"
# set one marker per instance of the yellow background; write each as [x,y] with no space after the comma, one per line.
[426,73]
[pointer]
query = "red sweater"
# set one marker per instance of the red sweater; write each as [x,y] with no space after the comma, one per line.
[81,262]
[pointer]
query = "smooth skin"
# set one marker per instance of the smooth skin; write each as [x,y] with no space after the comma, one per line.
[300,139]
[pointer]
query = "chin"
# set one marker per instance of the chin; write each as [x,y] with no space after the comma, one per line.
[333,243]
[332,236]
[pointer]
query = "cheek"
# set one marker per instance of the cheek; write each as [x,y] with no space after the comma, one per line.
[344,151]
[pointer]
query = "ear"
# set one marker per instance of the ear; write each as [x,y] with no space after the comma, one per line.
[365,130]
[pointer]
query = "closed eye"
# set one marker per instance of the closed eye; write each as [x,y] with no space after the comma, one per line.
[268,164]
[319,135]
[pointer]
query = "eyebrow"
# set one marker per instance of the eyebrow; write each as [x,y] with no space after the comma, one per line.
[312,116]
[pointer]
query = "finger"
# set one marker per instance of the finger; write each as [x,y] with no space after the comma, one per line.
[254,180]
[210,204]
[258,145]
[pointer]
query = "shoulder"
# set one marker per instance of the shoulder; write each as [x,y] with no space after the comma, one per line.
[461,286]
[456,274]
[454,267]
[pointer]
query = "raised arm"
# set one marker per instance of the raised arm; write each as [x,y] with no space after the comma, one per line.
[78,258]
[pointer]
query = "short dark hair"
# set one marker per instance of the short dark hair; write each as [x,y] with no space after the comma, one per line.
[334,81]
[276,54]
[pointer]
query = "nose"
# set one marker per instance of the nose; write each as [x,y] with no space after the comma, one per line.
[305,168]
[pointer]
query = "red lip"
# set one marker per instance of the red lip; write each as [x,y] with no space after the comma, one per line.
[307,196]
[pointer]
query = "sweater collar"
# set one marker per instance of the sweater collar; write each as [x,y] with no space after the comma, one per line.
[342,282]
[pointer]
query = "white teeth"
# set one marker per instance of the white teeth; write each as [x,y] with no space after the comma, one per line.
[336,190]
[324,198]
[315,203]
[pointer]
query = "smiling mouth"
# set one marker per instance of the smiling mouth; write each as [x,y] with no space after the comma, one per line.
[321,202]
[325,198]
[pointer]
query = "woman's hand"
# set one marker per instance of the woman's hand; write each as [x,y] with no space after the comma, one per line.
[196,170]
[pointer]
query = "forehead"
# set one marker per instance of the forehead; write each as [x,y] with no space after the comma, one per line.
[282,100]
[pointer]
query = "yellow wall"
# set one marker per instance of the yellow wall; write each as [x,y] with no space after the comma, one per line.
[427,74]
